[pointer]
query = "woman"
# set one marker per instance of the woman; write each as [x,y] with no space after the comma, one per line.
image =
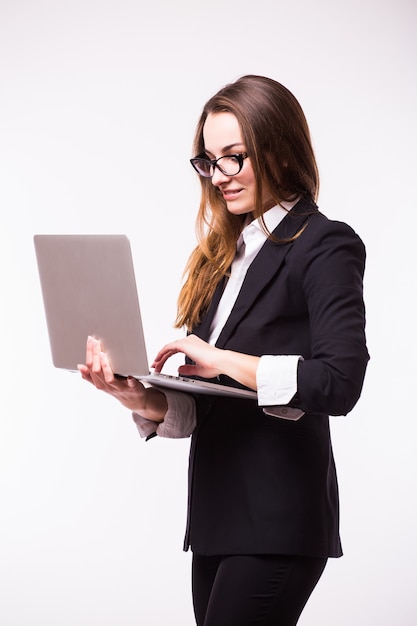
[272,301]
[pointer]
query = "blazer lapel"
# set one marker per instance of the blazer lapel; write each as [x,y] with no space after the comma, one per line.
[264,267]
[203,329]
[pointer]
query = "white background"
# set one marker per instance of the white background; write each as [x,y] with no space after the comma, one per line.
[98,103]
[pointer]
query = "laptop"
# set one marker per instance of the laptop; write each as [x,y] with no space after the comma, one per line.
[88,287]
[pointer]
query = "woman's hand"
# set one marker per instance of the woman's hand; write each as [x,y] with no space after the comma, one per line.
[203,354]
[209,361]
[149,402]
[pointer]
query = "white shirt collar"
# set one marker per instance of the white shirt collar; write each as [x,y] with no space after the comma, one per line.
[272,218]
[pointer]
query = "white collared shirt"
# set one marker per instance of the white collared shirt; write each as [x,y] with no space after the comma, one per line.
[250,241]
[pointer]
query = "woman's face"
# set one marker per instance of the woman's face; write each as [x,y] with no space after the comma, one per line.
[222,136]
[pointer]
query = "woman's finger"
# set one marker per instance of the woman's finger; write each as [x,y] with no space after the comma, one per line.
[89,352]
[96,352]
[106,368]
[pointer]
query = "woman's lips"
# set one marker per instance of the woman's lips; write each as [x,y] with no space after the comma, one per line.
[231,194]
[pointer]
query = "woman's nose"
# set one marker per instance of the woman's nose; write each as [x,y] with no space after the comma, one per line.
[218,177]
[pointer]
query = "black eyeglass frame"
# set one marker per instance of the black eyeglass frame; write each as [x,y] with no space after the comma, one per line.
[240,157]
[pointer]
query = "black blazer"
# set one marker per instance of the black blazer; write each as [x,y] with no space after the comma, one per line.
[259,484]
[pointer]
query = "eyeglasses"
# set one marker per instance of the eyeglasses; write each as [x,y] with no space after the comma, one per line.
[229,165]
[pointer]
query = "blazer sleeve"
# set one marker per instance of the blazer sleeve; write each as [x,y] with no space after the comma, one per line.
[330,380]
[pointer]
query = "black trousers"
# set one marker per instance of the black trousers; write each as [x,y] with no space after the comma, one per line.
[248,590]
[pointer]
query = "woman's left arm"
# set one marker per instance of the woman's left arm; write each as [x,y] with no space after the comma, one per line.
[330,380]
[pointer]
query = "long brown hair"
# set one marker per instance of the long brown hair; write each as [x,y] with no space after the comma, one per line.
[277,139]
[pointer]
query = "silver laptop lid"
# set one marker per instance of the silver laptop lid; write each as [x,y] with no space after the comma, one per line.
[76,272]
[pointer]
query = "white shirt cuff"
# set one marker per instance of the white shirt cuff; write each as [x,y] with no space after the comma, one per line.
[179,421]
[276,380]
